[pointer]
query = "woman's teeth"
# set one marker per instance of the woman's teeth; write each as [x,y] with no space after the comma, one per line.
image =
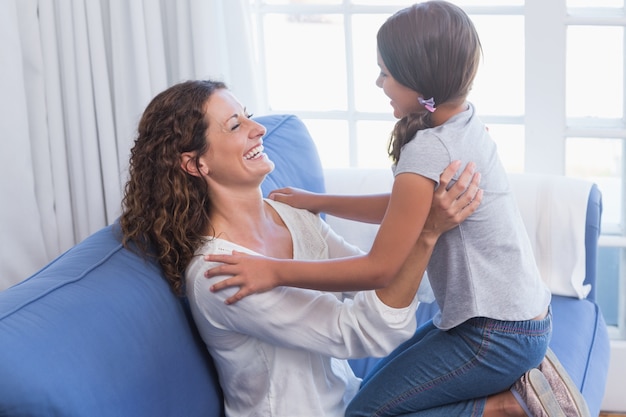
[254,152]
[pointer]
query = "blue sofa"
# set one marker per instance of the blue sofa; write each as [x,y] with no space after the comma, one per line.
[97,332]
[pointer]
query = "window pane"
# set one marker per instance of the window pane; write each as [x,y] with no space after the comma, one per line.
[372,141]
[332,141]
[594,75]
[301,74]
[367,97]
[600,161]
[510,142]
[488,2]
[297,2]
[595,3]
[399,3]
[457,2]
[499,85]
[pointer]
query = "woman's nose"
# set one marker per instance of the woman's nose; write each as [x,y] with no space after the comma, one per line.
[257,129]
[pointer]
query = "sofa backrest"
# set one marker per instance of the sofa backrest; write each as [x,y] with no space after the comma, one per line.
[289,145]
[98,332]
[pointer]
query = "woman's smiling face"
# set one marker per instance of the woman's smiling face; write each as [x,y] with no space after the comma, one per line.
[235,144]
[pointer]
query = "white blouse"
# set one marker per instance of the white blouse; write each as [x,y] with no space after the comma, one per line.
[283,352]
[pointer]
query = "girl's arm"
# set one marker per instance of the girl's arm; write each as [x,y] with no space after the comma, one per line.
[363,208]
[402,289]
[409,204]
[395,240]
[444,215]
[368,208]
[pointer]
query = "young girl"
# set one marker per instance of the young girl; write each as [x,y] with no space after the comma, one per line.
[494,322]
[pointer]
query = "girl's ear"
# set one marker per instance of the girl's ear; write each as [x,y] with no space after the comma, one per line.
[188,164]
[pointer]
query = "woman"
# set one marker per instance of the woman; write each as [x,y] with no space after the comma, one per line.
[194,188]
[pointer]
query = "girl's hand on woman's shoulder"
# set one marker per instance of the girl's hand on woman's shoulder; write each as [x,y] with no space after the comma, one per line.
[252,274]
[297,198]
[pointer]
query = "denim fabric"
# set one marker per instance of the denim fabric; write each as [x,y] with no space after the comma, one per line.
[451,373]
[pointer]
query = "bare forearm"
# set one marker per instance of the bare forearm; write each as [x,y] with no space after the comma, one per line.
[402,289]
[343,274]
[362,208]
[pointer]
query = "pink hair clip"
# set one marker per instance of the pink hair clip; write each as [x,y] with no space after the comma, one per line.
[429,104]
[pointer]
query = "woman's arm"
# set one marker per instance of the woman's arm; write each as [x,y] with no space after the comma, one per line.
[300,319]
[375,270]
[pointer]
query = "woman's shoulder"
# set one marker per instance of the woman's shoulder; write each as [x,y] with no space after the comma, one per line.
[290,214]
[212,246]
[215,245]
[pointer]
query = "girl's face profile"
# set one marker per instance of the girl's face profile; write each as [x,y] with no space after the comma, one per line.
[403,100]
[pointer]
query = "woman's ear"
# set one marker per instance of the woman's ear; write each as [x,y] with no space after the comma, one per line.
[189,165]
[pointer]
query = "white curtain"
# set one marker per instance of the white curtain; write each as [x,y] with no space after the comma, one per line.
[75,76]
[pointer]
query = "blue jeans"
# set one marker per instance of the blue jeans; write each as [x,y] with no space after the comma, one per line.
[451,373]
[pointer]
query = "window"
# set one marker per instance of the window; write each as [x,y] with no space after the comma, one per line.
[553,100]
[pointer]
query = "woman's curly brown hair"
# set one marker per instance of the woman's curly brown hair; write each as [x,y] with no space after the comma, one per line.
[165,211]
[431,48]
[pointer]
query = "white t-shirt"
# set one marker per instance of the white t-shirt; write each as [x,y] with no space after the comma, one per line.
[283,352]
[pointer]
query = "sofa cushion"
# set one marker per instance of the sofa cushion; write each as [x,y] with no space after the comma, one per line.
[98,332]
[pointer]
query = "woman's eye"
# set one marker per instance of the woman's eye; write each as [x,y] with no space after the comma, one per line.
[238,122]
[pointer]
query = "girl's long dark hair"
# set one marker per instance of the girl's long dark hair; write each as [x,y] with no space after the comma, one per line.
[431,48]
